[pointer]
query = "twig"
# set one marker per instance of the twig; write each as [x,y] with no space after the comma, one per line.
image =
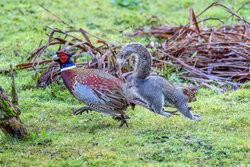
[13,87]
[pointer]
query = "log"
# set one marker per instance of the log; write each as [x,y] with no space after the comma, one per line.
[10,123]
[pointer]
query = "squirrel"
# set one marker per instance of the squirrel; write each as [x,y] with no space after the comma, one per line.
[155,91]
[189,92]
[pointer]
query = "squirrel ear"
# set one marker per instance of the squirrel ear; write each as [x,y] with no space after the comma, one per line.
[185,90]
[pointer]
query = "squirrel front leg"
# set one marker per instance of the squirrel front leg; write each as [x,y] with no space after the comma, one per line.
[186,111]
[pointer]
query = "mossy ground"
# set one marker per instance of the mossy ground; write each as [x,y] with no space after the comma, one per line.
[58,138]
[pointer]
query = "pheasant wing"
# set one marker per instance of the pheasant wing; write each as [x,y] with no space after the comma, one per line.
[108,93]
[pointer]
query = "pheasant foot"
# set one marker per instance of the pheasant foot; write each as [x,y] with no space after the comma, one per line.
[123,121]
[81,110]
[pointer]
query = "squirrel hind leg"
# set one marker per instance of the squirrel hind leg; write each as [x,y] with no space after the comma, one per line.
[161,111]
[158,107]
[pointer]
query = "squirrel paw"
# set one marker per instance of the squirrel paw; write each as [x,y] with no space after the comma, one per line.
[197,117]
[166,114]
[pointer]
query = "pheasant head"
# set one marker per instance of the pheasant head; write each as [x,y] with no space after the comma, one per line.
[64,60]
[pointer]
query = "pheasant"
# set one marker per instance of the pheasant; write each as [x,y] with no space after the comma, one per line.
[97,89]
[155,91]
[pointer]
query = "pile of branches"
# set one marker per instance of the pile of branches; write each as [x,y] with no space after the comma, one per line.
[208,54]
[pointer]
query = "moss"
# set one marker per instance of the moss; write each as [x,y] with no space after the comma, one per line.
[13,94]
[5,110]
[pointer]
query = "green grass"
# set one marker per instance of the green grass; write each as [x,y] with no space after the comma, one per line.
[58,138]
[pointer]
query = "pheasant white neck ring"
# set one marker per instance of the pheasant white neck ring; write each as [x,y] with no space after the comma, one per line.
[69,64]
[68,68]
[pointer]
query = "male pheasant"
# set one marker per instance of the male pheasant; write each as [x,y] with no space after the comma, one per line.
[97,89]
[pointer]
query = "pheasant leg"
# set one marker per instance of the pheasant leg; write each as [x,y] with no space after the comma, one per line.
[119,117]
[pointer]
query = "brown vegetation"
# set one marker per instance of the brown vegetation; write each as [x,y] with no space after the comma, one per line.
[217,55]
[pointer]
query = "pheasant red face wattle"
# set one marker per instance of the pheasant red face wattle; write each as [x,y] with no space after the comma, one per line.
[63,57]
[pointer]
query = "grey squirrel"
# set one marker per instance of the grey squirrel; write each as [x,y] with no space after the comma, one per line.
[155,91]
[189,92]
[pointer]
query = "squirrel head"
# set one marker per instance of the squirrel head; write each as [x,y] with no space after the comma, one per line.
[189,93]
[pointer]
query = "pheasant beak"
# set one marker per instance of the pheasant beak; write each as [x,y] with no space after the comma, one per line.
[55,58]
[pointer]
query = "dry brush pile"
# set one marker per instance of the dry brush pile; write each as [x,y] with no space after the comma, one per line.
[218,55]
[209,54]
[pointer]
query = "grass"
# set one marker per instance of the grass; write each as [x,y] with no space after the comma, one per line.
[58,138]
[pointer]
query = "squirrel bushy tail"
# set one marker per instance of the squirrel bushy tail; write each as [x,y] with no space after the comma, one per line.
[143,58]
